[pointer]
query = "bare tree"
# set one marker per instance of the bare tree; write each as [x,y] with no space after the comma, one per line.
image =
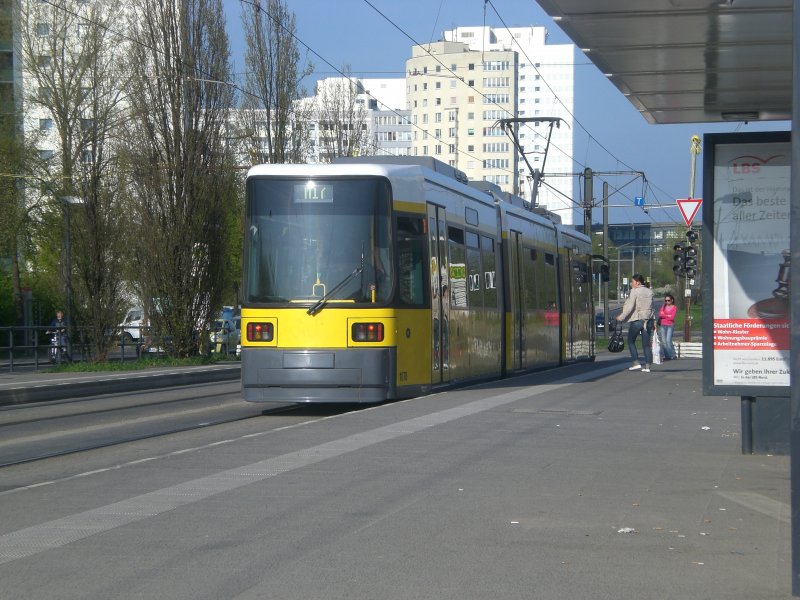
[75,88]
[273,121]
[182,183]
[341,116]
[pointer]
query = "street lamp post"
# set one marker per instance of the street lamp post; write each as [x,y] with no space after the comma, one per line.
[68,202]
[620,250]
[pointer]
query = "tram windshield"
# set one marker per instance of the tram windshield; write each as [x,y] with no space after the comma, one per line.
[306,237]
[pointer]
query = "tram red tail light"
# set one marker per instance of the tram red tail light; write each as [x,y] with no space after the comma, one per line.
[367,332]
[260,332]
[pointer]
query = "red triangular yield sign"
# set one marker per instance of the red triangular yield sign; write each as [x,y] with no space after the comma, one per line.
[689,208]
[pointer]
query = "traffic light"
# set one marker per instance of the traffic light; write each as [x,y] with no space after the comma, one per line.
[685,256]
[690,262]
[679,258]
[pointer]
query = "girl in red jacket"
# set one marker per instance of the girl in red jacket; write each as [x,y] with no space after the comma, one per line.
[666,316]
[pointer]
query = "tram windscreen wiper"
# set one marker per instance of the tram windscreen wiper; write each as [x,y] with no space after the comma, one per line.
[321,302]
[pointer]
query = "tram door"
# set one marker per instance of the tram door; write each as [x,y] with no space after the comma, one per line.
[515,286]
[440,294]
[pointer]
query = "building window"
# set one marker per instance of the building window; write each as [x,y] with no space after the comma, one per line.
[46,154]
[45,124]
[43,62]
[42,29]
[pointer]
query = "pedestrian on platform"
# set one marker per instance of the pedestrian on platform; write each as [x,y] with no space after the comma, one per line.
[666,318]
[639,313]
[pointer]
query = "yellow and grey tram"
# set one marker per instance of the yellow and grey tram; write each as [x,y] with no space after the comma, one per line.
[375,279]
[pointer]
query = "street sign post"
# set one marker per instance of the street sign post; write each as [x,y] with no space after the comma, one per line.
[689,208]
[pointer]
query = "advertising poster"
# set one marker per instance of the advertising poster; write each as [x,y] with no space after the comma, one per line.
[751,286]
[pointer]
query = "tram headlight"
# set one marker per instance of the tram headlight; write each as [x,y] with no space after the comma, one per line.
[367,332]
[260,332]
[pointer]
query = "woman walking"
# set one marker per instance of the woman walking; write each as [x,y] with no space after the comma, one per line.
[666,317]
[639,313]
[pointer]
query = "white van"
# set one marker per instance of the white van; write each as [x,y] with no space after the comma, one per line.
[132,324]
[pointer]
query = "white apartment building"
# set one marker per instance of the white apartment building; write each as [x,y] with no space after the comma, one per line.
[545,88]
[456,97]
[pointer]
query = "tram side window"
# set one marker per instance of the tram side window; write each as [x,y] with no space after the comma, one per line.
[529,282]
[550,277]
[489,272]
[544,297]
[474,283]
[411,260]
[458,268]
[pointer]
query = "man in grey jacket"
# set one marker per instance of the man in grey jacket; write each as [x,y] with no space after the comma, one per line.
[638,311]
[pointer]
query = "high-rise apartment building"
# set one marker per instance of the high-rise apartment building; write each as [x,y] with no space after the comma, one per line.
[544,84]
[9,75]
[457,97]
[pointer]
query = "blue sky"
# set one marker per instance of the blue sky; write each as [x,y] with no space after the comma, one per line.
[612,135]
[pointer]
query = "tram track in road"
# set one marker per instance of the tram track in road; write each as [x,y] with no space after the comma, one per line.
[72,427]
[119,442]
[86,406]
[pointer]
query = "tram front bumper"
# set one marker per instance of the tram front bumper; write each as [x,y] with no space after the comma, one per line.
[329,375]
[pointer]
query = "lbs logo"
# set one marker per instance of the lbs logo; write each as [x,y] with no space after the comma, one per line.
[753,165]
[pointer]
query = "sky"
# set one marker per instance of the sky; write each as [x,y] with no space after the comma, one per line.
[373,38]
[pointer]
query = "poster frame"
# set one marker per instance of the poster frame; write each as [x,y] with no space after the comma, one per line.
[708,267]
[710,143]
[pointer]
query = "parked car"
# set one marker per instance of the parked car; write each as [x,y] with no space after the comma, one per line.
[600,321]
[224,336]
[237,322]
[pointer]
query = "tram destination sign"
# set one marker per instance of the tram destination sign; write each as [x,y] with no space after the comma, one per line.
[313,192]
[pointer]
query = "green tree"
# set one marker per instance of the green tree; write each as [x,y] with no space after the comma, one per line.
[71,56]
[182,178]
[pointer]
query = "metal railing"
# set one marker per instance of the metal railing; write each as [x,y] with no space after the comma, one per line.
[33,346]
